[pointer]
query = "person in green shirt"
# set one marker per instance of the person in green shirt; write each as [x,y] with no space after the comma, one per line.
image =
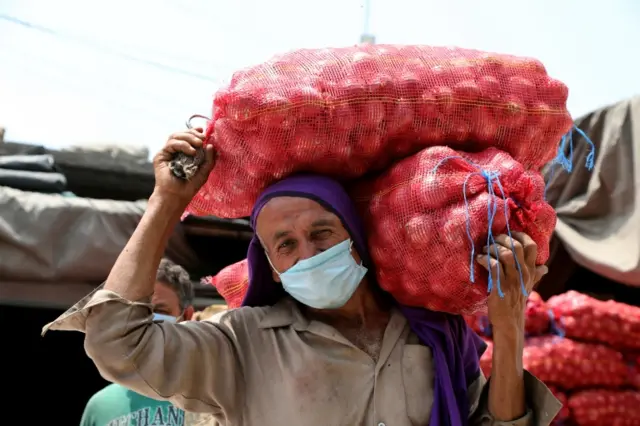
[117,406]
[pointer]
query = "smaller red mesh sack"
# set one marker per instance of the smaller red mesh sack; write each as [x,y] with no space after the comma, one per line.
[564,413]
[346,111]
[584,318]
[600,407]
[232,283]
[428,215]
[570,365]
[537,319]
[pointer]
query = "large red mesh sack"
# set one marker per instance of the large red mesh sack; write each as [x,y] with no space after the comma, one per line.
[347,111]
[537,319]
[570,365]
[584,318]
[232,283]
[428,215]
[600,407]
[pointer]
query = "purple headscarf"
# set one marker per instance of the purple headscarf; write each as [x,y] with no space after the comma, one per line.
[456,348]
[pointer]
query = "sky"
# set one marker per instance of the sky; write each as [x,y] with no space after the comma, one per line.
[131,72]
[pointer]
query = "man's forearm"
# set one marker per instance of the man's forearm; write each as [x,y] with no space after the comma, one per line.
[134,273]
[506,392]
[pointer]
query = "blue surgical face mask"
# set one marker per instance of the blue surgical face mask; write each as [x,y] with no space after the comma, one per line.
[326,280]
[163,317]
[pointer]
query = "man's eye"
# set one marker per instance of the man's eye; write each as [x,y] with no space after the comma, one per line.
[286,244]
[324,233]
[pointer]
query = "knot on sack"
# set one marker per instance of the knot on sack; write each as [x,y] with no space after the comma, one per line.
[492,179]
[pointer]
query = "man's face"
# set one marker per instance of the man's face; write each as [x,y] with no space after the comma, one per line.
[166,302]
[293,229]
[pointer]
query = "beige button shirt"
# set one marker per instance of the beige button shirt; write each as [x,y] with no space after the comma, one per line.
[271,366]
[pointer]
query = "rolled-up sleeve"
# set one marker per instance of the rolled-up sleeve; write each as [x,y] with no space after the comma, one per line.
[195,365]
[542,405]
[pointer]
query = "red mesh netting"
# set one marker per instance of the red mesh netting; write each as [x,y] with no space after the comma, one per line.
[479,323]
[232,282]
[420,225]
[605,407]
[486,360]
[345,111]
[584,318]
[570,365]
[633,360]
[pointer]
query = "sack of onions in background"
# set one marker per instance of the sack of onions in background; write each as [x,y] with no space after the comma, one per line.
[586,351]
[231,283]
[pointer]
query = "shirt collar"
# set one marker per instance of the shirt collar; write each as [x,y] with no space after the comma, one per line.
[287,313]
[283,314]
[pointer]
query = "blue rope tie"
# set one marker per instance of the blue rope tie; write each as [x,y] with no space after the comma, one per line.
[492,179]
[556,328]
[566,161]
[484,325]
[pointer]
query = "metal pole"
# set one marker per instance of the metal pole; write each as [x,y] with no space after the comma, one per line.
[366,37]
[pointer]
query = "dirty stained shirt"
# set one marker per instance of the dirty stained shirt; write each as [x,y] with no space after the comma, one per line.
[272,366]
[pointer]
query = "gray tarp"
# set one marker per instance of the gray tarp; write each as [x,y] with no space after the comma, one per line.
[599,210]
[55,238]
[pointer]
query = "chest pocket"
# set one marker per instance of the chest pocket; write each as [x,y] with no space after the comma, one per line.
[418,375]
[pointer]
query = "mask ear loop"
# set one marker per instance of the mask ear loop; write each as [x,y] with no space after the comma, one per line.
[271,264]
[267,255]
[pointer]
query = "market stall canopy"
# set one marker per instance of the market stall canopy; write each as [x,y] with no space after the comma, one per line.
[55,247]
[599,210]
[65,215]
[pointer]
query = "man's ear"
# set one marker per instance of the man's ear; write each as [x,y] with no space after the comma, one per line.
[275,276]
[188,313]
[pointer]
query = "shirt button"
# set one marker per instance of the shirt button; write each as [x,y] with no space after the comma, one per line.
[381,424]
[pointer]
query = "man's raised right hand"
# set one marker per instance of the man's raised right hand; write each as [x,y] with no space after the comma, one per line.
[169,186]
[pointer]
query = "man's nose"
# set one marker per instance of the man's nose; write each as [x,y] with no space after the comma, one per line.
[308,249]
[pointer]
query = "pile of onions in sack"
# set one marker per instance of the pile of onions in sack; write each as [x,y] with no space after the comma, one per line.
[599,407]
[427,216]
[344,112]
[584,318]
[570,365]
